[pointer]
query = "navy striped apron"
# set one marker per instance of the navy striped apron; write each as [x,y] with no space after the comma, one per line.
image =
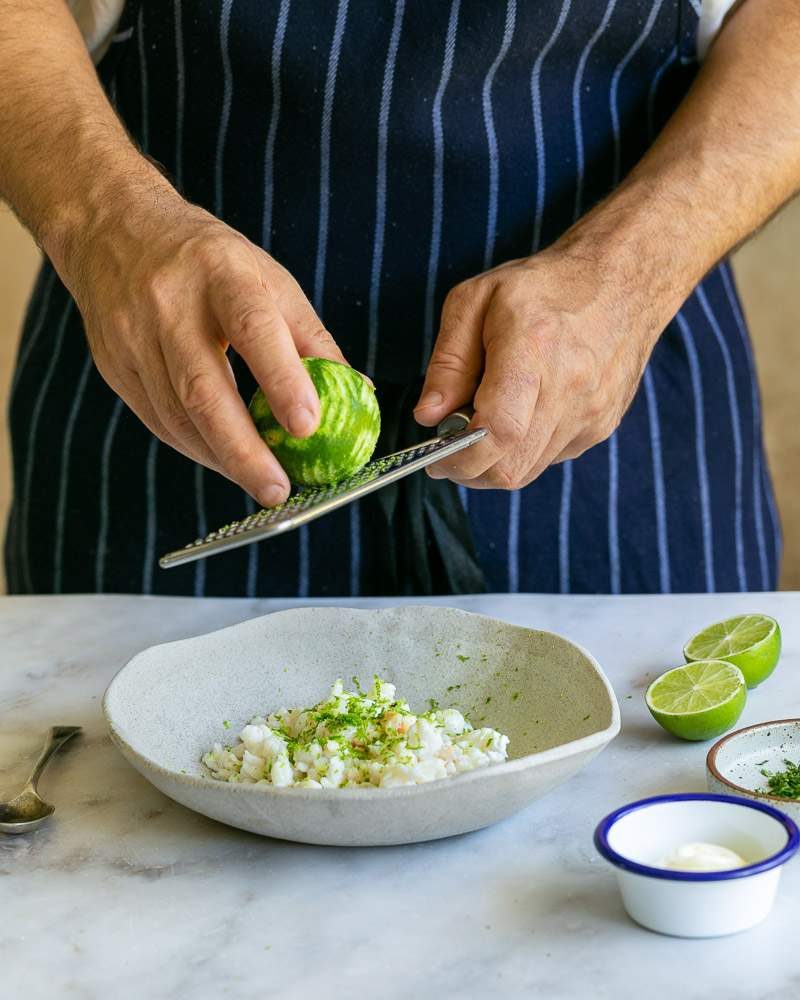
[383,152]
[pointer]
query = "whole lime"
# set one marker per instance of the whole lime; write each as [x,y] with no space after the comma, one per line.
[350,422]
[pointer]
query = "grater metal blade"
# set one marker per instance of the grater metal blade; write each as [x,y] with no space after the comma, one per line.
[313,502]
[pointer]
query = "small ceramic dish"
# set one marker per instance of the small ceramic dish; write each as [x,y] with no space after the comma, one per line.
[735,763]
[637,838]
[167,705]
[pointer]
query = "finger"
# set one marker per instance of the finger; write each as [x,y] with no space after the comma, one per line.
[455,366]
[253,324]
[131,390]
[505,404]
[511,474]
[311,338]
[575,448]
[200,377]
[191,446]
[564,443]
[167,413]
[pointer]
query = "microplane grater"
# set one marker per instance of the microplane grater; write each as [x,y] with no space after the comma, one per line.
[315,501]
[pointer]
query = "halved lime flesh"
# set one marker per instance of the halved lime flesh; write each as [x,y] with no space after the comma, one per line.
[698,701]
[750,642]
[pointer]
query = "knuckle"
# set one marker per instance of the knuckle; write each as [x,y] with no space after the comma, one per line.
[282,382]
[503,477]
[599,431]
[516,295]
[575,450]
[249,325]
[209,254]
[320,336]
[199,393]
[546,331]
[237,454]
[117,324]
[506,428]
[456,307]
[457,294]
[448,360]
[213,253]
[161,288]
[182,425]
[109,376]
[582,375]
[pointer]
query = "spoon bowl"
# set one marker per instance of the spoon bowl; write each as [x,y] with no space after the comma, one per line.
[28,810]
[24,812]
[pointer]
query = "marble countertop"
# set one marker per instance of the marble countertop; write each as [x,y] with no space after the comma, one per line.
[126,894]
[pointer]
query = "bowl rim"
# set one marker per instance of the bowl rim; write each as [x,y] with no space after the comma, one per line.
[673,875]
[593,741]
[714,771]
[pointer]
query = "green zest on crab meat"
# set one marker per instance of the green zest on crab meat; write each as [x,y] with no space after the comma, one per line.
[356,739]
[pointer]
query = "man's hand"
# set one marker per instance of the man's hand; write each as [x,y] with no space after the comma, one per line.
[552,348]
[163,293]
[546,353]
[163,286]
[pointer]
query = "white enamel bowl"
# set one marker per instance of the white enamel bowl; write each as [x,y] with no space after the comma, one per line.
[637,837]
[166,708]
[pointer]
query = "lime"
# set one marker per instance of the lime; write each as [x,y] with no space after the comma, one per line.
[349,425]
[751,642]
[698,701]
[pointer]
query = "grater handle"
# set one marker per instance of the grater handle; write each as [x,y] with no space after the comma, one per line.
[456,421]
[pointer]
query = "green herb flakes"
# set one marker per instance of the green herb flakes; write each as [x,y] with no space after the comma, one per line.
[786,783]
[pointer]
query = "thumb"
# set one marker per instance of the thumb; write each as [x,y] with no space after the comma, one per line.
[455,367]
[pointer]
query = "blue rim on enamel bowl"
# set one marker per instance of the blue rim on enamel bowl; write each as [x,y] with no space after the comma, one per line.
[620,861]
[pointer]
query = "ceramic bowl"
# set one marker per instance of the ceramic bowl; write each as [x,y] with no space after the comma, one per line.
[734,764]
[167,705]
[637,837]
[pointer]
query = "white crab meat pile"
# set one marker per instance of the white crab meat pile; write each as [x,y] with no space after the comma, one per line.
[356,739]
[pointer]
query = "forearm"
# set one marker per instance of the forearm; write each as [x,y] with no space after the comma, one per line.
[65,158]
[726,161]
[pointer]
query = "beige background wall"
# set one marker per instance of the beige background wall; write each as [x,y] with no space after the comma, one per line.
[769,279]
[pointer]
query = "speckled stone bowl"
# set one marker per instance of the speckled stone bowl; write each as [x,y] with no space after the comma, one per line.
[734,763]
[167,706]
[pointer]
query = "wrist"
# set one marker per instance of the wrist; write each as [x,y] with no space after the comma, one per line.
[645,249]
[97,203]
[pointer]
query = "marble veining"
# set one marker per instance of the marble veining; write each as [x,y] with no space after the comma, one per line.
[126,894]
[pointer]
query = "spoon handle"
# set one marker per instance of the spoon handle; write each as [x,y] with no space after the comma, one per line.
[56,737]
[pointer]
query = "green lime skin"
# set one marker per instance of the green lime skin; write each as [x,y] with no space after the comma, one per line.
[350,422]
[699,723]
[750,642]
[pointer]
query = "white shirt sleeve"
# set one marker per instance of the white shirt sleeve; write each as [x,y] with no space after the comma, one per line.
[97,20]
[712,14]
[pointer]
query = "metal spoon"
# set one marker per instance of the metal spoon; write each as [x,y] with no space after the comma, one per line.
[27,810]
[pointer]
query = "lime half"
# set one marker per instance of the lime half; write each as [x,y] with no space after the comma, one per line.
[751,642]
[699,701]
